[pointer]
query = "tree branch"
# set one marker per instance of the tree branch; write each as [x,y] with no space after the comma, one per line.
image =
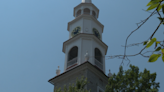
[124,56]
[155,30]
[132,33]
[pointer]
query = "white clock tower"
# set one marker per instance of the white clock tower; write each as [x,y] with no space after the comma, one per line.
[84,50]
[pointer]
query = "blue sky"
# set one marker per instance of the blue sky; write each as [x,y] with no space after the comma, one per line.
[32,33]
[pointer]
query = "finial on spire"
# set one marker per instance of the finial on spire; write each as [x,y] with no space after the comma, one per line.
[86,1]
[110,74]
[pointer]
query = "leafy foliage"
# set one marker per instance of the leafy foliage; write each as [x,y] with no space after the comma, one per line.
[163,57]
[158,5]
[159,50]
[154,4]
[132,81]
[154,57]
[78,87]
[150,42]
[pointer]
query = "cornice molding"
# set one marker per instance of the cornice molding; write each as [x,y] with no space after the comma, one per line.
[79,68]
[85,35]
[85,16]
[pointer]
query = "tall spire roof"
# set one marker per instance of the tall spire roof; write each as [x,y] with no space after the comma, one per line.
[86,1]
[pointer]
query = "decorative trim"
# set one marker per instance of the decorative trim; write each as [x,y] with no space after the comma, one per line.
[84,16]
[84,35]
[71,66]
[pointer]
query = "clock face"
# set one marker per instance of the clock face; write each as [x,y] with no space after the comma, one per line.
[76,31]
[96,33]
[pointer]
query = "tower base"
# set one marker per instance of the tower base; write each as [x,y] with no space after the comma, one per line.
[96,78]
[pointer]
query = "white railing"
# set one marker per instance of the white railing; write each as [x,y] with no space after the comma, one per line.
[72,62]
[98,64]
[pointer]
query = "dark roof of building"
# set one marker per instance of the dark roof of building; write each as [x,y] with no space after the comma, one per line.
[77,67]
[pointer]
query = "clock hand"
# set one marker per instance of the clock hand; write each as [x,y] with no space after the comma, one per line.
[76,31]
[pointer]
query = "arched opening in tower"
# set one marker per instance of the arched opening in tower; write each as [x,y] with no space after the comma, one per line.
[98,59]
[94,14]
[78,13]
[72,56]
[87,11]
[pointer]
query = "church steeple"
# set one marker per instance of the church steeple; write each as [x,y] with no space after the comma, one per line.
[84,50]
[86,1]
[85,34]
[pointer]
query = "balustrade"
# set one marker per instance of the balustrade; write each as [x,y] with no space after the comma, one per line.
[72,62]
[98,64]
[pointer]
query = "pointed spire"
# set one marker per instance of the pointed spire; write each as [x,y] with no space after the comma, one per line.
[86,1]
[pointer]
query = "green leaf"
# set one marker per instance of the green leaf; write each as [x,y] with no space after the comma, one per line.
[153,2]
[156,1]
[158,49]
[150,42]
[156,43]
[154,57]
[162,50]
[163,8]
[153,6]
[159,8]
[150,3]
[145,43]
[161,19]
[163,57]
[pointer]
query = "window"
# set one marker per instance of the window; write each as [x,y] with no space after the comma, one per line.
[78,13]
[94,14]
[72,56]
[86,11]
[98,55]
[98,59]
